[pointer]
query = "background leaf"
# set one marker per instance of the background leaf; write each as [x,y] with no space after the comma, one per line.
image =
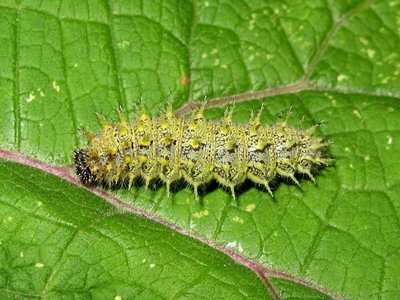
[336,61]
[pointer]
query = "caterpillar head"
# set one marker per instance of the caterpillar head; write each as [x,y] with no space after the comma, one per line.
[82,169]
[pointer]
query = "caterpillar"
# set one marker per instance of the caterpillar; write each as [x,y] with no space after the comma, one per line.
[198,150]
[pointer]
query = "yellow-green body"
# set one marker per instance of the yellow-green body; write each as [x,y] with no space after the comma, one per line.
[198,150]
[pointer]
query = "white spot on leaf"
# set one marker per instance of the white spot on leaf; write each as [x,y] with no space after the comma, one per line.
[235,245]
[237,219]
[123,44]
[250,207]
[371,53]
[357,113]
[30,98]
[364,41]
[55,86]
[231,244]
[200,214]
[41,93]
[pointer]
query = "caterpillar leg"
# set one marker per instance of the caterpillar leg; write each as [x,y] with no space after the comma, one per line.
[289,175]
[147,182]
[266,185]
[196,191]
[308,173]
[131,178]
[168,187]
[232,188]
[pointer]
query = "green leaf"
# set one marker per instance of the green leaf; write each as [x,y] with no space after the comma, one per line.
[307,61]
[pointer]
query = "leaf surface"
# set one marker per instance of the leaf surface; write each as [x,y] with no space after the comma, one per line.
[332,61]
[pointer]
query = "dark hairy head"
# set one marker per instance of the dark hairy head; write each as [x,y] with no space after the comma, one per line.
[82,170]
